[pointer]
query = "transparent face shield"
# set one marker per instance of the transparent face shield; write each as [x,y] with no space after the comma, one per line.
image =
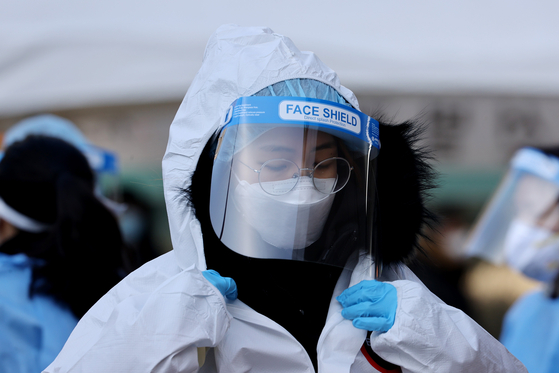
[293,178]
[520,226]
[103,162]
[108,187]
[105,165]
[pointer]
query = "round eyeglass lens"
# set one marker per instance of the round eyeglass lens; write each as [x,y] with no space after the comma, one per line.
[278,176]
[331,175]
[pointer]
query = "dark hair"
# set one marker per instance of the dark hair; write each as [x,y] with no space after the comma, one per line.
[405,181]
[50,181]
[552,151]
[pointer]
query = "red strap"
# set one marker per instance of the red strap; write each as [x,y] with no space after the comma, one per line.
[375,365]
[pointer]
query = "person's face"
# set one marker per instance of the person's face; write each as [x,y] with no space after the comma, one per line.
[550,218]
[536,202]
[305,148]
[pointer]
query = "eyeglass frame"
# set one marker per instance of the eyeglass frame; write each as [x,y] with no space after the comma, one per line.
[311,175]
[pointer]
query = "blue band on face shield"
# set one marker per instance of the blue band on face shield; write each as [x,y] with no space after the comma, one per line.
[535,162]
[101,160]
[326,115]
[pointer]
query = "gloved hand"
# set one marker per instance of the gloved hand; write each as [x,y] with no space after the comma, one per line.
[225,285]
[370,304]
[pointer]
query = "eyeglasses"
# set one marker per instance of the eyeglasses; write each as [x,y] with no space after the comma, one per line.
[280,176]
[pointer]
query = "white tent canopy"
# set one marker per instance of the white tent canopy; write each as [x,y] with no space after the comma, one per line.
[62,54]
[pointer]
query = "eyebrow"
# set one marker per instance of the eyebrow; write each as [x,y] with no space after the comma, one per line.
[280,148]
[327,145]
[277,148]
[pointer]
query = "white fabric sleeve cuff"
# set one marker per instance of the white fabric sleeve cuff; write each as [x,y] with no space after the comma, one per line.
[431,336]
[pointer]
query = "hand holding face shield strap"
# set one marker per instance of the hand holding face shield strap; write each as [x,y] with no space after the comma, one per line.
[371,305]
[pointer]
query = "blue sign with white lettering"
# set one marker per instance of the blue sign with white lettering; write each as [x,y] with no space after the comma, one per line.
[304,111]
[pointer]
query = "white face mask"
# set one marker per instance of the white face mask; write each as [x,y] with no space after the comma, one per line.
[532,250]
[293,220]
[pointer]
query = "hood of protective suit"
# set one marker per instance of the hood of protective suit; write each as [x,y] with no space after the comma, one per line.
[238,62]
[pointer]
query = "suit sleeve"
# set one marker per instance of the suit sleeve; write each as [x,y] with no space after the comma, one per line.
[430,336]
[130,330]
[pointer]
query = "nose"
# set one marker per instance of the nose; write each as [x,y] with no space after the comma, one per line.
[306,172]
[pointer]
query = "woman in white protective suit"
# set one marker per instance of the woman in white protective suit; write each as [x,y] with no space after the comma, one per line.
[520,228]
[270,179]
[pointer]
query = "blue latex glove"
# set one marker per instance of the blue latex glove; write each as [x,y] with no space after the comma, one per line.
[226,285]
[370,304]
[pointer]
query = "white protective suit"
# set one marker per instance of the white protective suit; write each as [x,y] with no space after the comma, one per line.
[162,316]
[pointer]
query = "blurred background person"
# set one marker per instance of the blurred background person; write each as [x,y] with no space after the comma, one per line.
[103,162]
[441,264]
[520,228]
[136,225]
[134,215]
[61,249]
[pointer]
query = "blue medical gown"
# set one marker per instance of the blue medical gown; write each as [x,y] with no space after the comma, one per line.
[531,332]
[32,330]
